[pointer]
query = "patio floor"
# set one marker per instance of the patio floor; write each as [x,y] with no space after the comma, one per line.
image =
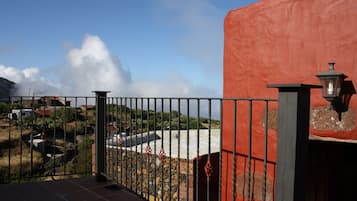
[83,189]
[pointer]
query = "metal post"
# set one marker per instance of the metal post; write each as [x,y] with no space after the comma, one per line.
[101,98]
[293,138]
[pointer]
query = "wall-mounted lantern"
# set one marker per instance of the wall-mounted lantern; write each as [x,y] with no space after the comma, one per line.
[332,83]
[336,89]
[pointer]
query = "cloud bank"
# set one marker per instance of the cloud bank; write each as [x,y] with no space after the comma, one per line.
[92,67]
[29,81]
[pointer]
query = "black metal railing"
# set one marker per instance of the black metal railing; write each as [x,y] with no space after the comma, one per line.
[179,148]
[163,148]
[44,137]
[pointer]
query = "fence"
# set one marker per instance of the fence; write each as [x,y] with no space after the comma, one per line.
[44,137]
[172,148]
[163,148]
[210,181]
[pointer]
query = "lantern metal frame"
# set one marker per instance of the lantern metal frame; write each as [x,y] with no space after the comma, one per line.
[332,83]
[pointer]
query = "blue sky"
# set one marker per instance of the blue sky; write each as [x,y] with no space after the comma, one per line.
[148,40]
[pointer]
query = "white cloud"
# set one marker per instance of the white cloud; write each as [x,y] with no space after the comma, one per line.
[92,67]
[11,73]
[29,81]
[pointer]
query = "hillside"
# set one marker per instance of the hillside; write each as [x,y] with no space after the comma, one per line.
[6,88]
[132,118]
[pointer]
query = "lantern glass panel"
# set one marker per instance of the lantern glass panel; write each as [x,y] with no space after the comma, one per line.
[331,87]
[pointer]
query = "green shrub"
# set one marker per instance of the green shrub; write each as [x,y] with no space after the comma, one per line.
[84,157]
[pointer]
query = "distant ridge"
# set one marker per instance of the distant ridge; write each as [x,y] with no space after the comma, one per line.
[7,88]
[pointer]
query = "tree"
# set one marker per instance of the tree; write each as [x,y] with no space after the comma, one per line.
[84,157]
[64,114]
[4,108]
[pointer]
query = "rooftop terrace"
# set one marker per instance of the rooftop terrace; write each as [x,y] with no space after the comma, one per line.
[85,188]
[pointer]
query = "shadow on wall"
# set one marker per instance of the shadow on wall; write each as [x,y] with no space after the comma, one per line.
[343,101]
[332,171]
[254,184]
[202,179]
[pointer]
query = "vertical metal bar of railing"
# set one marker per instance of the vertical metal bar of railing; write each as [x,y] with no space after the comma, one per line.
[141,147]
[21,132]
[162,149]
[105,133]
[64,136]
[118,138]
[121,142]
[54,141]
[105,169]
[220,149]
[148,148]
[43,132]
[234,150]
[9,142]
[126,141]
[19,118]
[198,149]
[112,133]
[136,146]
[114,136]
[155,190]
[179,147]
[266,109]
[106,166]
[209,144]
[75,130]
[106,161]
[31,136]
[170,147]
[85,137]
[249,148]
[131,144]
[107,140]
[188,150]
[86,171]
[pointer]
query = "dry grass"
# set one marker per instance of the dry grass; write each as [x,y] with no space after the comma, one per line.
[59,142]
[17,159]
[19,156]
[15,133]
[4,122]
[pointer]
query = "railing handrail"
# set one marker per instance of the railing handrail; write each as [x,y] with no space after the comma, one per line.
[195,98]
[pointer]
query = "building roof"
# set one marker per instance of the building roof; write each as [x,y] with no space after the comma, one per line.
[189,144]
[43,112]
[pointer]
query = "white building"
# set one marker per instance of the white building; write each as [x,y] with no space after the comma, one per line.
[17,114]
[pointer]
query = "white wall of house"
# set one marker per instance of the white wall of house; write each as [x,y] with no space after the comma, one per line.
[20,113]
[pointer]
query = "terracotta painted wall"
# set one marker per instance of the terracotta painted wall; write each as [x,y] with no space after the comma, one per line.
[285,41]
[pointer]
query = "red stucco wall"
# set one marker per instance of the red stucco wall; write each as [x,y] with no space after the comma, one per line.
[283,41]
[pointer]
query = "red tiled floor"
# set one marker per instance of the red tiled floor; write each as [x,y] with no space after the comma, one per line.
[84,189]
